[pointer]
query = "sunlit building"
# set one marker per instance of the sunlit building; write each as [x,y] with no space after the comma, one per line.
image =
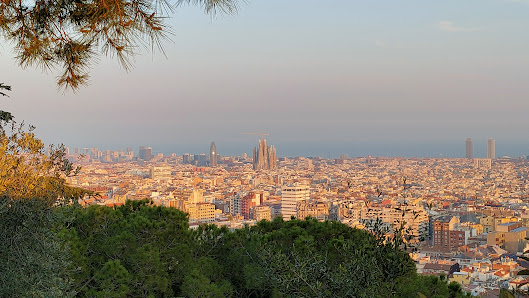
[290,196]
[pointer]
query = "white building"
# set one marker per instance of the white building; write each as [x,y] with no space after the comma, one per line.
[290,196]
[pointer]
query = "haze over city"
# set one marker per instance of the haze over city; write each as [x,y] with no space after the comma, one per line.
[406,78]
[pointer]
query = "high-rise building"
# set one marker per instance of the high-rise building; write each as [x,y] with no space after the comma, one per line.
[264,157]
[491,149]
[141,152]
[201,160]
[290,196]
[470,149]
[186,158]
[213,155]
[148,153]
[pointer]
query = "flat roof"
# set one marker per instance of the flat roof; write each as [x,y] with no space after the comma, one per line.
[509,223]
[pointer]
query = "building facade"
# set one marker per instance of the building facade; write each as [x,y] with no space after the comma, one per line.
[290,196]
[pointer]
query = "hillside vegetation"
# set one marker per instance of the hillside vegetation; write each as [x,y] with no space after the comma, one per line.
[142,250]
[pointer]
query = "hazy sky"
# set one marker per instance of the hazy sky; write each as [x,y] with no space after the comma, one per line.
[319,76]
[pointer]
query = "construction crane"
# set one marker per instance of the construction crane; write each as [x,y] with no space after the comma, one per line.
[262,134]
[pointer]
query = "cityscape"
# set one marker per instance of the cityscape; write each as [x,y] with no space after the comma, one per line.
[234,148]
[467,217]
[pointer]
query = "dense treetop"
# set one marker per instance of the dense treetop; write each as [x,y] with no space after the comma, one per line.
[143,250]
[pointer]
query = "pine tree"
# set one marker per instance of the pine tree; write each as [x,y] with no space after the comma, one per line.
[70,34]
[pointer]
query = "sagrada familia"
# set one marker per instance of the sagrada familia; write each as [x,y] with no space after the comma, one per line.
[264,157]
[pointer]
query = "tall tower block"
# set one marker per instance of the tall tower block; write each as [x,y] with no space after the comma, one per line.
[213,155]
[491,149]
[470,149]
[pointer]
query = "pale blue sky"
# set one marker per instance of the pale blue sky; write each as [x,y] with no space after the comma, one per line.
[339,73]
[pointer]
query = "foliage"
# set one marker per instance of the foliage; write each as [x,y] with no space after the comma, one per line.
[133,250]
[26,171]
[428,286]
[4,87]
[70,34]
[32,261]
[31,184]
[305,258]
[143,250]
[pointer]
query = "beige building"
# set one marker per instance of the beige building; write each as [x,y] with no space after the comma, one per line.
[414,218]
[349,210]
[160,173]
[509,236]
[262,213]
[491,222]
[462,278]
[318,210]
[201,212]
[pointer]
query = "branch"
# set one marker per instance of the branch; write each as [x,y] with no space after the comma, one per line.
[5,87]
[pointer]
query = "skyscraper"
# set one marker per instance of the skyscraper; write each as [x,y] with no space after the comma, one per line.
[213,155]
[491,149]
[470,149]
[264,157]
[186,158]
[148,153]
[141,152]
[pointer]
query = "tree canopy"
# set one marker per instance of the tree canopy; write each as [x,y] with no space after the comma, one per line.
[32,184]
[28,170]
[143,250]
[71,34]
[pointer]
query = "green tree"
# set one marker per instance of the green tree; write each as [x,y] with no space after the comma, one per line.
[304,259]
[28,171]
[32,183]
[33,259]
[149,245]
[204,279]
[428,286]
[70,34]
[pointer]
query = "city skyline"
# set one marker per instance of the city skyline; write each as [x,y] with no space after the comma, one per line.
[264,148]
[352,150]
[347,72]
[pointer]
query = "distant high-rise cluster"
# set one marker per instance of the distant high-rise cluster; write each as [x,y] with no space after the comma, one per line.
[491,149]
[264,157]
[203,160]
[145,153]
[470,149]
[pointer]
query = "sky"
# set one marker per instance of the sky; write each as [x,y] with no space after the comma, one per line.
[323,78]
